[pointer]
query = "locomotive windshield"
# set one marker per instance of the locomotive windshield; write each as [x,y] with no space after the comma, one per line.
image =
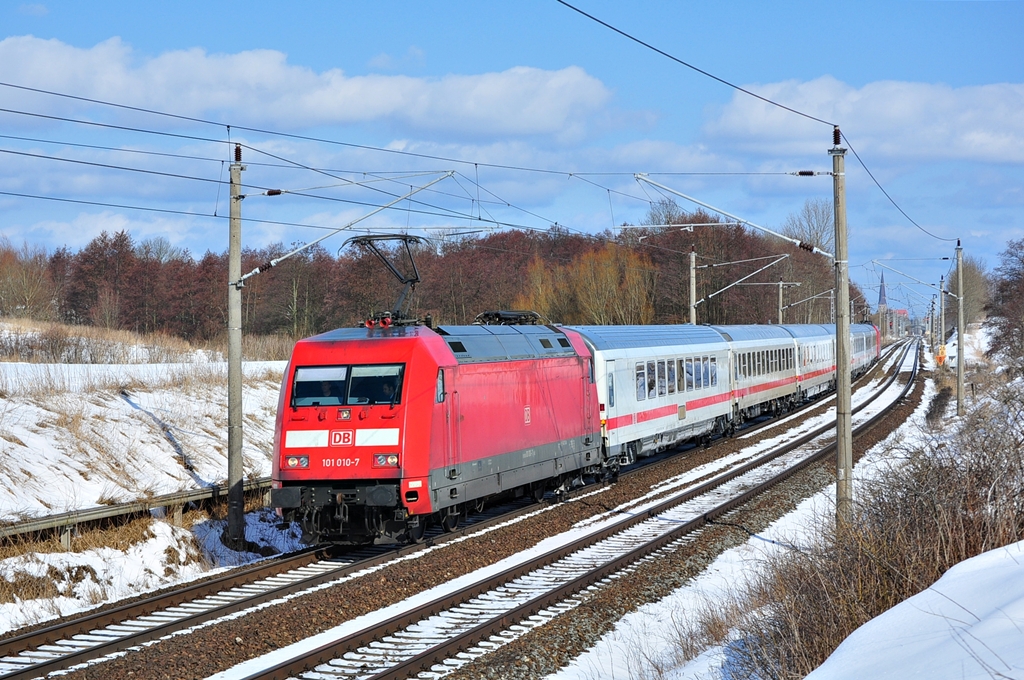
[347,385]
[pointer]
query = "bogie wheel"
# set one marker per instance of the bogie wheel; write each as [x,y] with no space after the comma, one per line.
[416,532]
[450,522]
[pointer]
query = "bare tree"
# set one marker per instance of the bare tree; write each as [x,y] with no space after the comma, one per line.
[1006,310]
[25,286]
[160,249]
[665,211]
[613,285]
[976,287]
[814,224]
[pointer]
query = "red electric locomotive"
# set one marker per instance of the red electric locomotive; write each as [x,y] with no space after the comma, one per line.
[380,430]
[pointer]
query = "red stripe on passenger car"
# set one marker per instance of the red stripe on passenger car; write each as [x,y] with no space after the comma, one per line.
[665,411]
[655,413]
[619,421]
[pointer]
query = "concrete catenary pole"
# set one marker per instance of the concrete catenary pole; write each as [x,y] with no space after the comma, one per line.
[236,497]
[844,432]
[693,285]
[961,330]
[942,311]
[780,301]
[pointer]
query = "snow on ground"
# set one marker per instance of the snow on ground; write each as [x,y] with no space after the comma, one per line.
[93,577]
[976,342]
[74,436]
[969,624]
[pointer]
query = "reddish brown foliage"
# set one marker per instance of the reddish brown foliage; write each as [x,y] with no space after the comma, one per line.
[116,283]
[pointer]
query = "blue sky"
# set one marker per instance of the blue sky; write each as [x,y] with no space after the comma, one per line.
[930,94]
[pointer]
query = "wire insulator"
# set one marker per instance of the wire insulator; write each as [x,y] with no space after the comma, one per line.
[804,245]
[238,153]
[805,173]
[836,136]
[273,192]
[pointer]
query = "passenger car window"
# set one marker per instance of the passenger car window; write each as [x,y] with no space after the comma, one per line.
[611,387]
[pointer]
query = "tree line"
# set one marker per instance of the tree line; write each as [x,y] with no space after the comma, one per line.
[1006,308]
[637,275]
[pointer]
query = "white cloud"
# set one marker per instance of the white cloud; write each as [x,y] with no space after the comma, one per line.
[892,119]
[261,87]
[77,231]
[34,9]
[414,56]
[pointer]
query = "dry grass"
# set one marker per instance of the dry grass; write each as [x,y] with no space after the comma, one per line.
[55,583]
[53,343]
[31,583]
[942,503]
[256,347]
[28,584]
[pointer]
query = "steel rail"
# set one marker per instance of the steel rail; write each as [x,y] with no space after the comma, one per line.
[91,623]
[69,519]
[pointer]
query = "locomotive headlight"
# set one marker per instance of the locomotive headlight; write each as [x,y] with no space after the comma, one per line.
[297,461]
[385,460]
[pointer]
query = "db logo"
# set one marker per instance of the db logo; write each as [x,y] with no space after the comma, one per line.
[342,437]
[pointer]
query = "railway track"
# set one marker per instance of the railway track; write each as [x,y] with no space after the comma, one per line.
[469,621]
[76,642]
[82,639]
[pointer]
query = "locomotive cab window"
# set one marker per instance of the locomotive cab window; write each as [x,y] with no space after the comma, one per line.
[320,386]
[376,384]
[338,385]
